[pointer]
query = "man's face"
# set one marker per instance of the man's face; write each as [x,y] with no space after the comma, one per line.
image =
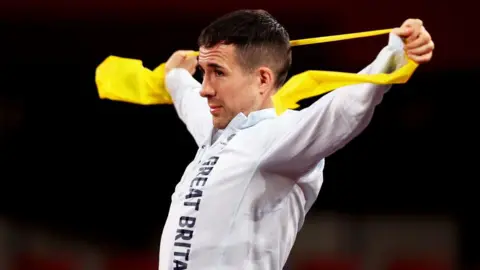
[227,86]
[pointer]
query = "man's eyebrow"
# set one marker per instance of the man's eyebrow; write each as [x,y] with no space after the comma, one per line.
[214,65]
[211,65]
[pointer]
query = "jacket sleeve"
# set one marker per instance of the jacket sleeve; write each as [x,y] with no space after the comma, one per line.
[301,139]
[191,108]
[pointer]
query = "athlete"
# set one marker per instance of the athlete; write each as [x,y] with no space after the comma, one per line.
[244,197]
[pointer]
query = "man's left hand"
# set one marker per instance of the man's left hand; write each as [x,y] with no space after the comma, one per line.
[418,42]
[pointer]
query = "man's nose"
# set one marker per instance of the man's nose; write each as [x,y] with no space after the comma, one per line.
[207,90]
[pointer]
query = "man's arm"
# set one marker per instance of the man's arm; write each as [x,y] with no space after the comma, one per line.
[192,109]
[303,138]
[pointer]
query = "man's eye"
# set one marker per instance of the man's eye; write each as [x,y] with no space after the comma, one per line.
[219,73]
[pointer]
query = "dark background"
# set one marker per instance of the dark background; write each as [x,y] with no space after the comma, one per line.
[105,170]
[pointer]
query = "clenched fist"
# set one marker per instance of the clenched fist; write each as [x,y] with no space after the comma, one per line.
[182,59]
[418,42]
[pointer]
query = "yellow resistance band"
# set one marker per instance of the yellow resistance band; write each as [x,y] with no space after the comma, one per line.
[124,79]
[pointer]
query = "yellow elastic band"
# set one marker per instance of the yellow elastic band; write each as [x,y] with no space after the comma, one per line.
[308,41]
[315,82]
[124,79]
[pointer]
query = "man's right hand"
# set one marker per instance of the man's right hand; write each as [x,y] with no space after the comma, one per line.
[182,59]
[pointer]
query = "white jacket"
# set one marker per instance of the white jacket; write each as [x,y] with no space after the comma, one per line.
[244,197]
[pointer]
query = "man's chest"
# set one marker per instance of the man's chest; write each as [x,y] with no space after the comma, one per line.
[229,161]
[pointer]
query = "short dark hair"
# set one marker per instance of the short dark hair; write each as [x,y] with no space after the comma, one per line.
[259,39]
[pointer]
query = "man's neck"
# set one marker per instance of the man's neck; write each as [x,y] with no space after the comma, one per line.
[267,104]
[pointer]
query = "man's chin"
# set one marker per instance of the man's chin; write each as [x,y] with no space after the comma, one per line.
[219,123]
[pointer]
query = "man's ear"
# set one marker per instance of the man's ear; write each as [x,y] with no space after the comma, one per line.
[266,79]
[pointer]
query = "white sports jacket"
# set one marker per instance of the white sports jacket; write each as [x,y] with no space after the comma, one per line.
[244,197]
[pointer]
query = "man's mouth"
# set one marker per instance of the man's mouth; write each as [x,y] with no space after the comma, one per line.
[215,110]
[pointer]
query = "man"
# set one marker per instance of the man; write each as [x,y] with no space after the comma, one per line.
[243,199]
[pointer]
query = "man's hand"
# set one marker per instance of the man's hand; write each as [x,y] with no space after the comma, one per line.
[182,59]
[418,42]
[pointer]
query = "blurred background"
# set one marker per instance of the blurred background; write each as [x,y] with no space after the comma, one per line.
[86,183]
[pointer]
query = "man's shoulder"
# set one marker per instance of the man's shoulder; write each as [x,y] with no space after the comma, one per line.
[290,112]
